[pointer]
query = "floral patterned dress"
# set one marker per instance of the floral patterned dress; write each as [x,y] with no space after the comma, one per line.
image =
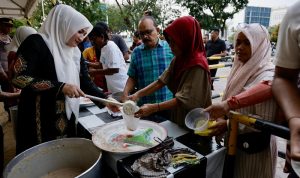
[41,109]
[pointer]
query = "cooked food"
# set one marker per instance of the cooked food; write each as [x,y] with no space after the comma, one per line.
[130,107]
[65,172]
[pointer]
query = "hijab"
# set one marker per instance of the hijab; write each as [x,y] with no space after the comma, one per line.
[257,68]
[60,25]
[186,33]
[21,34]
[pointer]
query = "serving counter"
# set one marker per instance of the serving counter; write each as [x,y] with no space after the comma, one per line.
[211,155]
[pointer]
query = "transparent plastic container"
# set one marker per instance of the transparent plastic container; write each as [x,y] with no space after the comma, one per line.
[197,119]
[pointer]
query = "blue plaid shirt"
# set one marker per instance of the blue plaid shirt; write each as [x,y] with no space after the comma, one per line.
[146,66]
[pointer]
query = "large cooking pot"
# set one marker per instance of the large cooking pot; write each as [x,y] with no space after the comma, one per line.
[68,157]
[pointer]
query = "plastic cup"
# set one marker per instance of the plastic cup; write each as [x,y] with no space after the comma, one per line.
[131,122]
[197,119]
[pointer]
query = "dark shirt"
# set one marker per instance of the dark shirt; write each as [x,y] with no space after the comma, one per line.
[120,42]
[215,47]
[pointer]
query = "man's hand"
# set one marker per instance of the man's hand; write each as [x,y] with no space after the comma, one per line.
[133,97]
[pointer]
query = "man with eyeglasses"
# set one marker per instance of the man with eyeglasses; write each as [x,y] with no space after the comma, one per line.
[148,62]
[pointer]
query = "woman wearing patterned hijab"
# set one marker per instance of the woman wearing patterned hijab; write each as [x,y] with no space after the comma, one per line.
[47,70]
[187,76]
[248,84]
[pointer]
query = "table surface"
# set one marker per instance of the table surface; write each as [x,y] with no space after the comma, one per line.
[92,117]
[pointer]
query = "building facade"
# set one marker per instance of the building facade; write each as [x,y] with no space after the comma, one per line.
[259,15]
[277,15]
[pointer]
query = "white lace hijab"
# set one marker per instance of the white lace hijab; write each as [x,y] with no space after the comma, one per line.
[21,34]
[60,25]
[257,68]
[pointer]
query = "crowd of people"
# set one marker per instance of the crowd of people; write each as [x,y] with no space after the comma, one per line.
[44,73]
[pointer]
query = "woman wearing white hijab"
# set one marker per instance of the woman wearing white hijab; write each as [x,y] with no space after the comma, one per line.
[248,84]
[47,70]
[21,34]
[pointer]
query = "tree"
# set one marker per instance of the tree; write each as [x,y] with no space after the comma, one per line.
[93,10]
[213,13]
[115,20]
[132,10]
[162,10]
[167,12]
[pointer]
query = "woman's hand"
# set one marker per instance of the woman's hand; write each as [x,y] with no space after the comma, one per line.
[219,128]
[72,91]
[217,110]
[146,110]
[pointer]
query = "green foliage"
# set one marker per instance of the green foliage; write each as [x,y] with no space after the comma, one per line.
[133,10]
[274,33]
[93,10]
[122,16]
[213,13]
[168,12]
[161,10]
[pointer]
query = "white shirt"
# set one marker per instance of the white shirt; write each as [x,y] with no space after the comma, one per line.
[288,46]
[112,57]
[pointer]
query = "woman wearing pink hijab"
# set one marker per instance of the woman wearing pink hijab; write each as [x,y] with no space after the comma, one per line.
[248,84]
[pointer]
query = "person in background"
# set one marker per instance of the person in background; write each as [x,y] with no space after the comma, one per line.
[137,41]
[21,34]
[148,62]
[111,58]
[117,39]
[52,75]
[187,76]
[205,39]
[286,84]
[215,47]
[252,68]
[85,44]
[6,25]
[92,55]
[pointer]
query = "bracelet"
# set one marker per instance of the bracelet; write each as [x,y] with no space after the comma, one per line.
[158,106]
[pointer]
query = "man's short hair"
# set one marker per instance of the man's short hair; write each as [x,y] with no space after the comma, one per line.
[215,30]
[98,31]
[103,25]
[149,17]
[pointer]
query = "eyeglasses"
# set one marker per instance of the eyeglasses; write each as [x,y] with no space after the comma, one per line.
[146,32]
